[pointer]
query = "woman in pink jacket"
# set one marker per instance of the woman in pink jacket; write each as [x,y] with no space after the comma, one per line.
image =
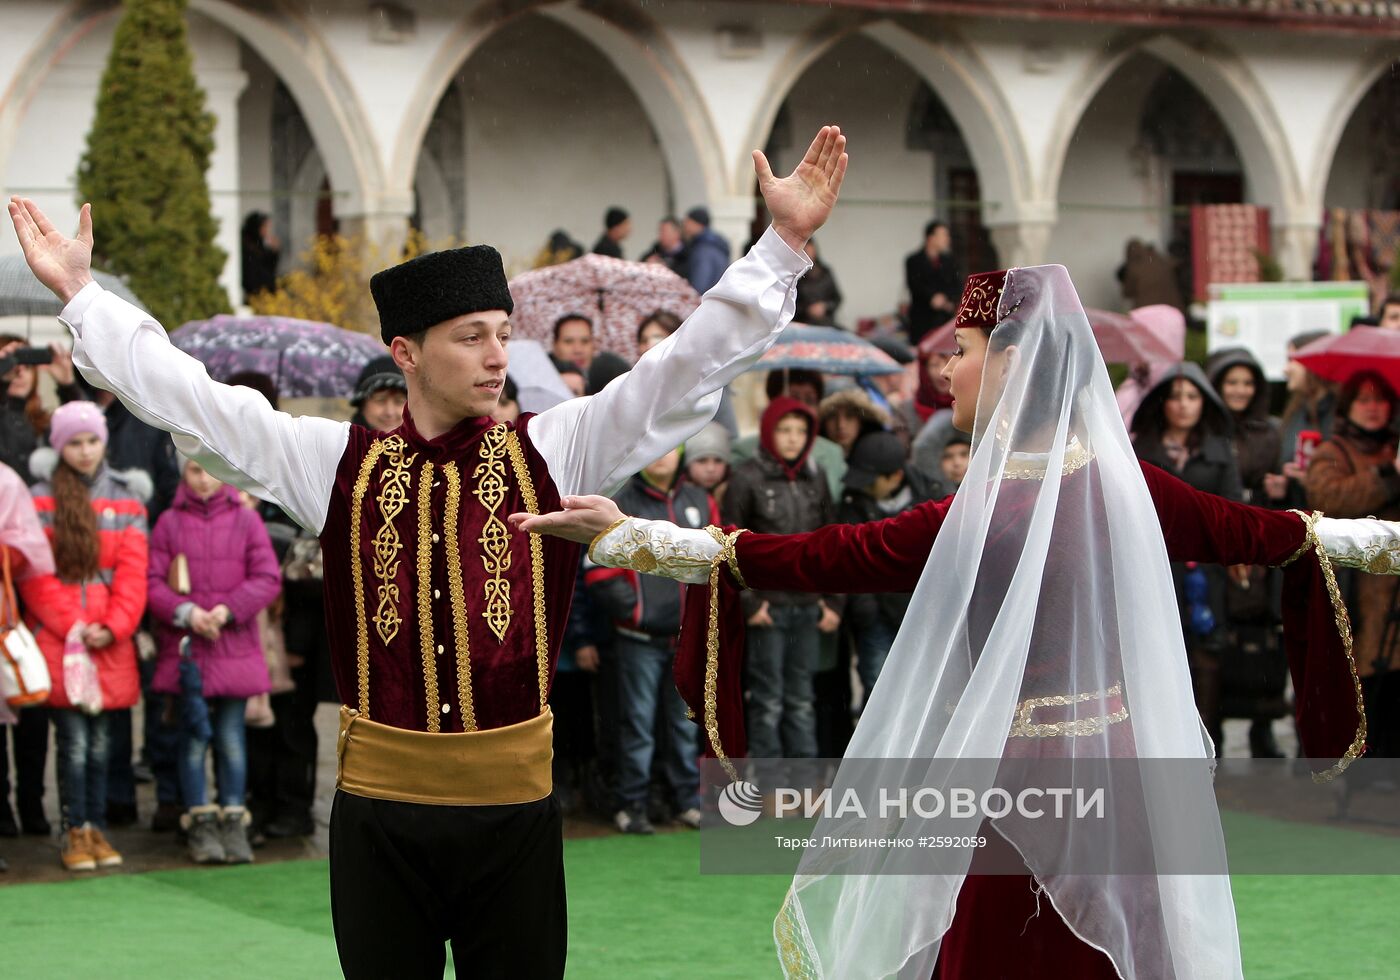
[225,574]
[96,521]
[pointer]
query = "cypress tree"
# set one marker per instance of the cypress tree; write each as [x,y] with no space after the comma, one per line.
[145,164]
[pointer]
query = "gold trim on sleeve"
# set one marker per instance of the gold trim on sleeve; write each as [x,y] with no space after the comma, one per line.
[527,491]
[490,476]
[357,572]
[598,538]
[395,481]
[1343,621]
[425,597]
[458,594]
[711,720]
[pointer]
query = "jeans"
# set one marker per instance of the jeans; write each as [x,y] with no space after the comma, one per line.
[872,647]
[644,688]
[230,756]
[83,748]
[782,658]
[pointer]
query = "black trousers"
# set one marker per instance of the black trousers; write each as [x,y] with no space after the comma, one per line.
[282,759]
[31,738]
[408,878]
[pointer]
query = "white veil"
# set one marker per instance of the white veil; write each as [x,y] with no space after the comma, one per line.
[1044,627]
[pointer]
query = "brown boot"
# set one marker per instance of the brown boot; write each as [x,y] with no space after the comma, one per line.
[103,853]
[77,850]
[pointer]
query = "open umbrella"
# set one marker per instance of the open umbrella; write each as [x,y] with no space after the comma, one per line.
[305,358]
[1339,356]
[825,349]
[1147,335]
[23,295]
[615,294]
[538,386]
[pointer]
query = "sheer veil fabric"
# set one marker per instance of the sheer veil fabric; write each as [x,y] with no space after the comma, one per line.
[1048,578]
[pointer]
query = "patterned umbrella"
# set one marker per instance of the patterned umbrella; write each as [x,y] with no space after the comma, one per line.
[825,349]
[615,294]
[23,295]
[307,359]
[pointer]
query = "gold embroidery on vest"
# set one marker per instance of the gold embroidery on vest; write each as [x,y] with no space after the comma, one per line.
[457,593]
[490,475]
[357,573]
[393,495]
[425,596]
[527,490]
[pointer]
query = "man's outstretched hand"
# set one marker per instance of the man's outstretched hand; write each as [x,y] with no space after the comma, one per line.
[801,202]
[582,519]
[64,265]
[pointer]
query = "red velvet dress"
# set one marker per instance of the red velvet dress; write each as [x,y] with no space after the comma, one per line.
[995,930]
[443,624]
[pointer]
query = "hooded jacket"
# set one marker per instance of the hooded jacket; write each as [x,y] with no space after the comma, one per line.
[1212,466]
[231,563]
[114,598]
[772,496]
[1257,439]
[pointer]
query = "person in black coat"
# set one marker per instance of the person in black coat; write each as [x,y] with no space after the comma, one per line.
[1183,427]
[617,225]
[933,280]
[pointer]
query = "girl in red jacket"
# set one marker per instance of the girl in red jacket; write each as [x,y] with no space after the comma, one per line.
[96,521]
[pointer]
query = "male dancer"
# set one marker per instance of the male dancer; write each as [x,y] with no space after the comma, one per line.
[443,624]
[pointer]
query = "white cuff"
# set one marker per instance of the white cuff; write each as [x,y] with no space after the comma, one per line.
[657,548]
[1366,543]
[72,313]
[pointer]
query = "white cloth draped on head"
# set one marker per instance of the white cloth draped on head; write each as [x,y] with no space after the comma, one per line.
[1048,578]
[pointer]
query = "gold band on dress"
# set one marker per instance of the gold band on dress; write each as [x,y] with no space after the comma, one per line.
[711,719]
[1343,621]
[1024,727]
[497,766]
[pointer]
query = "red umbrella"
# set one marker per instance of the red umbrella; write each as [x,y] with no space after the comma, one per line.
[1338,357]
[615,294]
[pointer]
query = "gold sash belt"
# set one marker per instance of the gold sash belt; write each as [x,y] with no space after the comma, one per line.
[499,765]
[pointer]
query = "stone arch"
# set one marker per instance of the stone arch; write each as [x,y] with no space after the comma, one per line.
[300,59]
[630,42]
[950,68]
[1227,85]
[1339,117]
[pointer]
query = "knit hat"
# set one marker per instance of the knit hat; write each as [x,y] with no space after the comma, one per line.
[379,374]
[425,291]
[711,442]
[874,454]
[73,419]
[614,217]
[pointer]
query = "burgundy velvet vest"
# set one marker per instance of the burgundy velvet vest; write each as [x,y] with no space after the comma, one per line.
[439,616]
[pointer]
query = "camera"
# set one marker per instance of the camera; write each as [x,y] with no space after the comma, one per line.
[25,356]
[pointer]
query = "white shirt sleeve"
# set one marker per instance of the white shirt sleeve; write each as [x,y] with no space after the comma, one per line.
[1367,543]
[231,431]
[594,444]
[657,548]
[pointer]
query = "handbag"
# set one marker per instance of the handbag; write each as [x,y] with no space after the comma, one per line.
[24,674]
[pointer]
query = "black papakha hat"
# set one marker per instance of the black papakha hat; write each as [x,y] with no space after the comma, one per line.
[379,374]
[439,286]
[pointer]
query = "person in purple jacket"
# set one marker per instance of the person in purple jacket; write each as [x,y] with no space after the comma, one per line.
[212,570]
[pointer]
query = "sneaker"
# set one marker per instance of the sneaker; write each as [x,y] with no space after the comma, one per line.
[77,850]
[206,843]
[633,821]
[233,831]
[104,853]
[691,817]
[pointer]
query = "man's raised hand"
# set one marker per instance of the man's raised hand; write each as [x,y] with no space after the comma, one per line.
[801,202]
[64,265]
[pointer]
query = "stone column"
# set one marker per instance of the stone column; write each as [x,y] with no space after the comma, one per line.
[1022,243]
[1295,234]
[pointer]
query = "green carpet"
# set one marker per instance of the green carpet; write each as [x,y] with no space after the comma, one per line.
[637,909]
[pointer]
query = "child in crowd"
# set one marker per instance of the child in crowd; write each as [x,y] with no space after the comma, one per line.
[780,491]
[707,456]
[212,571]
[96,522]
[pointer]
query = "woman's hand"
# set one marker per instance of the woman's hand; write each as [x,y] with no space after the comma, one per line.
[98,637]
[582,519]
[761,618]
